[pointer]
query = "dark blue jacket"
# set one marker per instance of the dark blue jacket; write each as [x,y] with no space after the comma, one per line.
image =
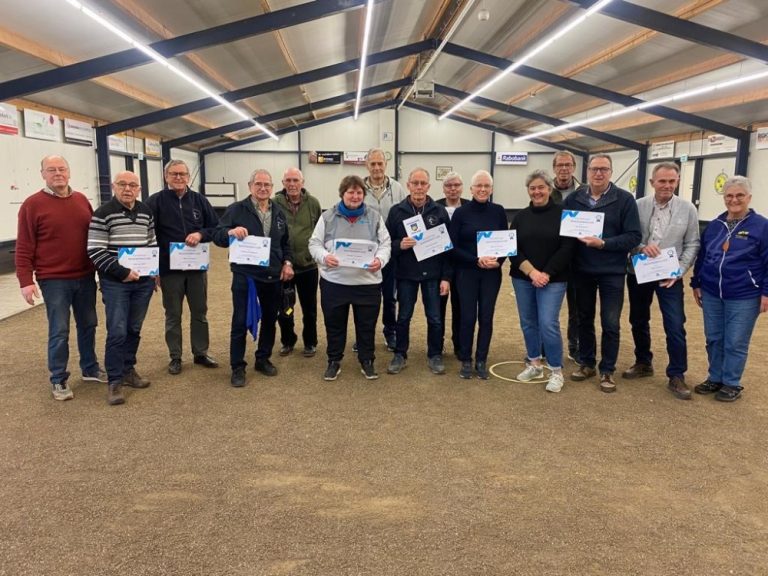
[621,231]
[175,218]
[740,271]
[243,213]
[407,267]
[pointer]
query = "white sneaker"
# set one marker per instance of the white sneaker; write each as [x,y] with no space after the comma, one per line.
[555,383]
[62,391]
[530,373]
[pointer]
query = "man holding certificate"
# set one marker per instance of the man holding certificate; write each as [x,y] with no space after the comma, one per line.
[184,223]
[122,246]
[601,265]
[409,223]
[260,223]
[666,221]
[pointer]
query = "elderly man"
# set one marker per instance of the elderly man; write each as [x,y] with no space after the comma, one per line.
[383,192]
[256,289]
[183,215]
[51,244]
[123,222]
[302,211]
[432,275]
[600,267]
[453,188]
[666,221]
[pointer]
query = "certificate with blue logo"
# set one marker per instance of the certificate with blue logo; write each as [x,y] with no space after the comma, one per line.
[580,223]
[664,266]
[354,253]
[432,242]
[184,257]
[252,250]
[497,243]
[144,260]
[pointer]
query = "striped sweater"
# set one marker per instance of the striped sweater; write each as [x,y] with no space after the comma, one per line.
[114,226]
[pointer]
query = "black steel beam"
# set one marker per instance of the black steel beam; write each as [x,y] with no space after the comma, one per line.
[222,34]
[305,109]
[673,26]
[277,84]
[502,107]
[591,90]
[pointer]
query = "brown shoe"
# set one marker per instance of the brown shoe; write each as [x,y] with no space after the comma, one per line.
[133,380]
[679,388]
[638,371]
[606,383]
[582,373]
[115,393]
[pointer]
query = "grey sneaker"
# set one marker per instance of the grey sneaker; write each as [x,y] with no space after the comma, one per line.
[397,363]
[436,364]
[531,372]
[133,380]
[62,391]
[98,376]
[481,368]
[466,370]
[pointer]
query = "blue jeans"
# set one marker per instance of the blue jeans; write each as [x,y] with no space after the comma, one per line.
[671,302]
[126,305]
[539,311]
[728,326]
[80,295]
[407,293]
[611,290]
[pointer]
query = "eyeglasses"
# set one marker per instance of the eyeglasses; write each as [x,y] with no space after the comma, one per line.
[261,184]
[559,166]
[482,186]
[131,185]
[178,174]
[291,180]
[603,169]
[452,185]
[418,183]
[735,196]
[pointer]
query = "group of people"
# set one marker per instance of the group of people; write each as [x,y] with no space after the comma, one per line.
[61,241]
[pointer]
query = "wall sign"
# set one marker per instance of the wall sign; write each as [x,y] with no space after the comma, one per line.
[512,158]
[41,125]
[9,119]
[78,132]
[325,157]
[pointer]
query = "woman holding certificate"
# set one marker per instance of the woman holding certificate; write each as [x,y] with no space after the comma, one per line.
[540,273]
[730,283]
[351,245]
[478,277]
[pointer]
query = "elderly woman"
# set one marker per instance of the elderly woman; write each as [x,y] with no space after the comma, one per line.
[730,283]
[345,282]
[540,274]
[478,279]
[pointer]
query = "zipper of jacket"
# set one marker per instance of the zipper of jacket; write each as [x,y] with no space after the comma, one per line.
[181,213]
[722,260]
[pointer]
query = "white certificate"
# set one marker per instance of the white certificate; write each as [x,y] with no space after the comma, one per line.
[663,267]
[145,261]
[253,250]
[579,223]
[354,253]
[414,225]
[432,242]
[183,257]
[497,243]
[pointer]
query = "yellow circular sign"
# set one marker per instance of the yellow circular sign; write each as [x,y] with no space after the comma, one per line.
[720,180]
[633,184]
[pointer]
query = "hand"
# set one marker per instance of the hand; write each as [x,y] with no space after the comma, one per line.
[593,241]
[652,250]
[374,266]
[539,279]
[697,296]
[763,304]
[286,273]
[445,287]
[239,232]
[29,293]
[668,283]
[331,261]
[133,276]
[487,262]
[407,243]
[193,239]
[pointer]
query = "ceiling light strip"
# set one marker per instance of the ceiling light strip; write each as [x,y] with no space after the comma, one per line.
[364,55]
[642,106]
[533,52]
[160,59]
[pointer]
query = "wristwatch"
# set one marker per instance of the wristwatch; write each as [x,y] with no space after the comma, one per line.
[288,263]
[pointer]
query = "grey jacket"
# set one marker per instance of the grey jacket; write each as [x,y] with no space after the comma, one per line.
[683,231]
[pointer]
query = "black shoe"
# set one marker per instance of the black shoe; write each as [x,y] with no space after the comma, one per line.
[482,370]
[174,366]
[707,387]
[285,350]
[391,342]
[238,377]
[368,370]
[309,351]
[206,361]
[332,372]
[728,393]
[265,367]
[466,370]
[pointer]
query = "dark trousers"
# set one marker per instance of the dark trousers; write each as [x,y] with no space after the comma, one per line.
[335,300]
[407,294]
[269,299]
[573,321]
[194,286]
[610,288]
[671,302]
[305,283]
[478,290]
[389,297]
[455,317]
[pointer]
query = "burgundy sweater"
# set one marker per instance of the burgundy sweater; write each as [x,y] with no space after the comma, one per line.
[52,237]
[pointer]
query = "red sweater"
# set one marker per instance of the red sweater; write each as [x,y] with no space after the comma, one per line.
[52,237]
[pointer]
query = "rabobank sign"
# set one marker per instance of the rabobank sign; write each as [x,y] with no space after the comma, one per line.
[512,158]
